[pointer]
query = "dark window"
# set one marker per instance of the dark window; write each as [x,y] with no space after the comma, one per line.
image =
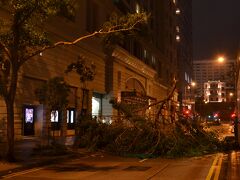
[85,99]
[160,69]
[92,16]
[121,5]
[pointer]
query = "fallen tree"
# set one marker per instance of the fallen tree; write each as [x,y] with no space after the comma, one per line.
[136,134]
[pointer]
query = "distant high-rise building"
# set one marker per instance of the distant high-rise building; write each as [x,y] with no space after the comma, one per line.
[211,70]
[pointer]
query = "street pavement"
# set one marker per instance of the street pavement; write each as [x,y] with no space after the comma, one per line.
[81,164]
[100,166]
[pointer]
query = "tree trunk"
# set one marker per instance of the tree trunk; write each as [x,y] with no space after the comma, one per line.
[63,126]
[10,131]
[9,101]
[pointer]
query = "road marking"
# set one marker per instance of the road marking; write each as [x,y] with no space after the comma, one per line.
[22,173]
[143,160]
[160,170]
[216,166]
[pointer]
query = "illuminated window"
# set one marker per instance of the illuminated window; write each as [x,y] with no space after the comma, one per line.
[55,125]
[70,118]
[177,38]
[153,60]
[177,29]
[145,53]
[96,104]
[29,115]
[178,11]
[54,116]
[137,8]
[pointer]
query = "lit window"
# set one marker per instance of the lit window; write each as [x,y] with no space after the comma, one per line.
[145,53]
[177,29]
[29,115]
[177,38]
[70,116]
[153,60]
[96,106]
[137,8]
[178,11]
[54,116]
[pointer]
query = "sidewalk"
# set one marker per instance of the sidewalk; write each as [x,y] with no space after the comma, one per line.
[28,157]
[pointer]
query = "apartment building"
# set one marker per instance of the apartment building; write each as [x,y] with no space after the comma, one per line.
[212,70]
[145,65]
[214,91]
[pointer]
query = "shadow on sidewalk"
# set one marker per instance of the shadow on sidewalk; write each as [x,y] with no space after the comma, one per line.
[30,153]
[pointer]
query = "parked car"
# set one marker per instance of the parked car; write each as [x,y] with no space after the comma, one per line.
[214,119]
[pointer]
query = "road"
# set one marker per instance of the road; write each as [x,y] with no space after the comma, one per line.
[100,166]
[223,130]
[231,166]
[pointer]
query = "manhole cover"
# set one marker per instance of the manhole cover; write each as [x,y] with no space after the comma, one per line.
[137,168]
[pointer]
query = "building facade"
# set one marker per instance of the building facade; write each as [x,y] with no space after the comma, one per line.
[211,70]
[145,65]
[214,91]
[184,50]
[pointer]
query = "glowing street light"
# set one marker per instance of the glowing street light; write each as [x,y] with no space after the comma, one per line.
[193,84]
[221,59]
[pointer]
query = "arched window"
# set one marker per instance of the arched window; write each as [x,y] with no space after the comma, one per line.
[133,84]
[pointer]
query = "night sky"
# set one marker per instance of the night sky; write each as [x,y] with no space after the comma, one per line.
[216,28]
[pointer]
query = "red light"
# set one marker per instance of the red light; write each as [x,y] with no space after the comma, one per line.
[216,115]
[233,115]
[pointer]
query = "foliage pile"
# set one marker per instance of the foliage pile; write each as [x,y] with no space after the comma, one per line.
[183,138]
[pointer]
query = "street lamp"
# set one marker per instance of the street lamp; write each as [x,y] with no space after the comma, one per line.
[221,59]
[193,84]
[188,94]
